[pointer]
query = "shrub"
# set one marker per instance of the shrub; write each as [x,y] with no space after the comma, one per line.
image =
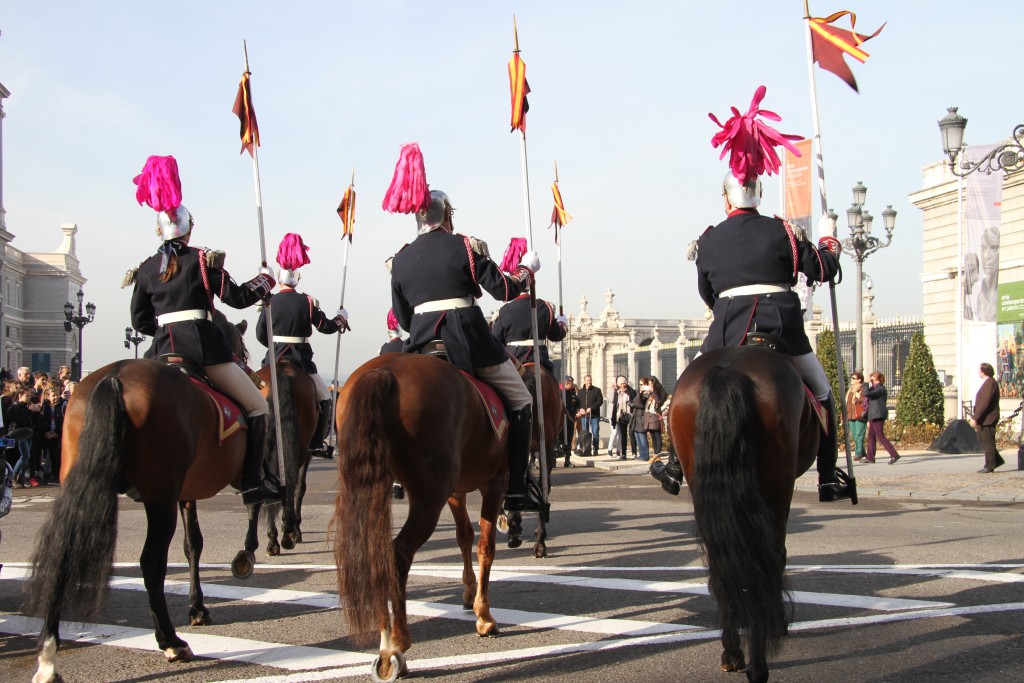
[920,401]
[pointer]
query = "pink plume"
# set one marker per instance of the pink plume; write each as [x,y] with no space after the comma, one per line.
[514,253]
[392,320]
[291,255]
[158,184]
[751,143]
[408,192]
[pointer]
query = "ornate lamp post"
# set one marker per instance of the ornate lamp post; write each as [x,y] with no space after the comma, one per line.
[860,245]
[1008,158]
[78,321]
[132,337]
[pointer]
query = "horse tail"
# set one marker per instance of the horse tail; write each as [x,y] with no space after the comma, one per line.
[72,561]
[735,525]
[367,575]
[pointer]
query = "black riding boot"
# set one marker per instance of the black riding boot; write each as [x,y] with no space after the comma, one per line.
[316,444]
[520,431]
[670,474]
[256,488]
[829,488]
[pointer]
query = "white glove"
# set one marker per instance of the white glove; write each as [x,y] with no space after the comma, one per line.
[531,260]
[267,270]
[342,319]
[562,320]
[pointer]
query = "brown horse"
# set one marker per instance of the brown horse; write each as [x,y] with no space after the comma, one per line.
[415,419]
[554,420]
[143,428]
[744,431]
[299,415]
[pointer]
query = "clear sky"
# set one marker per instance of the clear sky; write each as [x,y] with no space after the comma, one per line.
[621,93]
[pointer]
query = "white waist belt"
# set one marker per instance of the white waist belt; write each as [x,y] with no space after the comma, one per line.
[747,290]
[181,316]
[526,342]
[445,304]
[291,340]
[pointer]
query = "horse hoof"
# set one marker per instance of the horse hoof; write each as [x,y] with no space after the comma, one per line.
[274,549]
[297,536]
[243,564]
[287,543]
[514,542]
[540,551]
[487,629]
[200,618]
[396,664]
[178,654]
[503,523]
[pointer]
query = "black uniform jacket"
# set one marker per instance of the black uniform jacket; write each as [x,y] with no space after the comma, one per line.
[515,323]
[440,265]
[392,346]
[193,287]
[750,249]
[295,315]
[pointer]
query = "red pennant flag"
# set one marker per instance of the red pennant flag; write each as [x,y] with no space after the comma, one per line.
[347,212]
[520,89]
[559,216]
[829,43]
[249,131]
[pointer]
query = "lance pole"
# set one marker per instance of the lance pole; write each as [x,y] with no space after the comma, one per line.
[566,437]
[350,210]
[275,396]
[839,400]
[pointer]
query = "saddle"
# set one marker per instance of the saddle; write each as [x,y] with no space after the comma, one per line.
[232,417]
[494,401]
[774,343]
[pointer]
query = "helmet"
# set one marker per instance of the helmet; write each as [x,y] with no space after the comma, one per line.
[173,228]
[742,195]
[288,277]
[434,214]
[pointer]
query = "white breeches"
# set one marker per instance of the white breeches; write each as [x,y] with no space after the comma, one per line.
[505,378]
[232,380]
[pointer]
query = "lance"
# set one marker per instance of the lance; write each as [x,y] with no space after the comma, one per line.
[544,476]
[275,397]
[566,437]
[348,217]
[840,368]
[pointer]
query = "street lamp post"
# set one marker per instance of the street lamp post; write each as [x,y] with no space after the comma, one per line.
[78,321]
[132,337]
[860,245]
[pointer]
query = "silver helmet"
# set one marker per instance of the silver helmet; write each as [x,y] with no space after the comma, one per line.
[742,195]
[287,277]
[171,229]
[434,214]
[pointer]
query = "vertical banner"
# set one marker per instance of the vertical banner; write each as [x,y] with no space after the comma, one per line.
[983,195]
[1009,359]
[797,183]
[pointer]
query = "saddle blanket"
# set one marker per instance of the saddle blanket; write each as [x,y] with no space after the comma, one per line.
[818,409]
[230,414]
[492,404]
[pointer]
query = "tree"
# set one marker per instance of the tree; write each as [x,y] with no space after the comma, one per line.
[920,401]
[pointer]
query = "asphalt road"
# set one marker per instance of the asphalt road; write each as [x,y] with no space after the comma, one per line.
[890,590]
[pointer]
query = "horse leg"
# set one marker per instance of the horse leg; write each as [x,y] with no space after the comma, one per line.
[757,640]
[273,546]
[515,529]
[490,508]
[732,649]
[300,493]
[419,526]
[464,535]
[540,534]
[245,559]
[198,615]
[161,523]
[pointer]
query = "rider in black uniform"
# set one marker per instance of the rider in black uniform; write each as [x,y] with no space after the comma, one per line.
[513,328]
[394,343]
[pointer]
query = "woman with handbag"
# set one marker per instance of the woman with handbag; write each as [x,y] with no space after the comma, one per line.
[857,412]
[652,413]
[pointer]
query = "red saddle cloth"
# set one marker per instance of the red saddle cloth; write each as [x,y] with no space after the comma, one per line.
[492,404]
[230,414]
[819,409]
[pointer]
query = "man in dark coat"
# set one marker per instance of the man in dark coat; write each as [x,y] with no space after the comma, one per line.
[435,281]
[514,329]
[589,412]
[394,343]
[572,406]
[986,417]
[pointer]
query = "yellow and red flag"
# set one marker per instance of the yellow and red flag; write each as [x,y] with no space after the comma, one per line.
[249,131]
[559,216]
[347,212]
[829,43]
[518,86]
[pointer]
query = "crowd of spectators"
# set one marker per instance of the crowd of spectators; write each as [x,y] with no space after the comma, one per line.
[33,406]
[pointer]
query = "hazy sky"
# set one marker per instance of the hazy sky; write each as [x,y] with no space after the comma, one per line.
[621,93]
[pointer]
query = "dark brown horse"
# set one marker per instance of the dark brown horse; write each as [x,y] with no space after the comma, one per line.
[744,431]
[299,415]
[554,420]
[143,428]
[415,419]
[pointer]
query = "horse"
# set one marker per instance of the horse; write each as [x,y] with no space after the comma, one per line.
[143,428]
[554,420]
[299,415]
[416,419]
[744,429]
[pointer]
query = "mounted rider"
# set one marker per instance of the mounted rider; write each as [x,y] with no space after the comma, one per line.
[394,343]
[748,264]
[296,315]
[513,326]
[435,281]
[173,302]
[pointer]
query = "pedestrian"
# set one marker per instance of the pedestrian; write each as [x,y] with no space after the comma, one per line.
[173,304]
[656,401]
[24,414]
[622,415]
[856,412]
[986,417]
[591,400]
[572,406]
[748,264]
[295,316]
[637,422]
[878,413]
